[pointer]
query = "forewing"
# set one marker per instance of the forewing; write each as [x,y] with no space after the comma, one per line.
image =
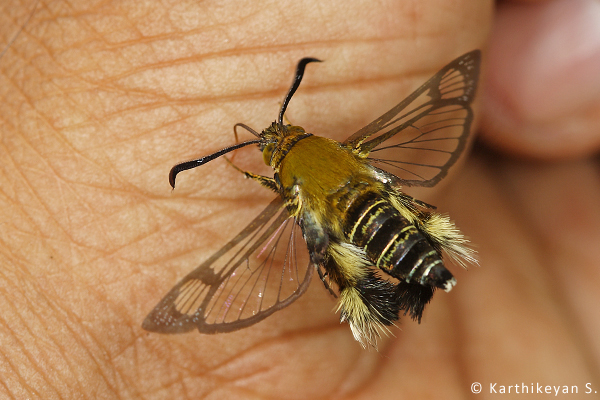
[263,269]
[422,137]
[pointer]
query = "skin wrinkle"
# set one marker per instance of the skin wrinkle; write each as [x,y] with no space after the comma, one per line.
[195,99]
[89,209]
[223,100]
[115,250]
[102,350]
[237,53]
[22,26]
[231,52]
[273,342]
[31,189]
[74,335]
[266,95]
[3,385]
[22,381]
[24,352]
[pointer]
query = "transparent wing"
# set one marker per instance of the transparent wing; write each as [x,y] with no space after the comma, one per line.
[262,270]
[422,137]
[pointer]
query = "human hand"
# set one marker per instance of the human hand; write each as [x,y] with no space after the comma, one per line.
[100,102]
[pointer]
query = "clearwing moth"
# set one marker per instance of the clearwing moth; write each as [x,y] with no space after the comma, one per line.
[340,211]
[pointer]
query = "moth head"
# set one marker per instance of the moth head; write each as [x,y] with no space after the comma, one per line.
[277,140]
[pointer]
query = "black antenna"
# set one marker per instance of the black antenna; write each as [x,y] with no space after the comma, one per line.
[201,161]
[297,79]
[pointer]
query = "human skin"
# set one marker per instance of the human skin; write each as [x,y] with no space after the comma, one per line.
[98,103]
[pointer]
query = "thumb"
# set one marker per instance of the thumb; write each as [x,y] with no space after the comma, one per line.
[542,94]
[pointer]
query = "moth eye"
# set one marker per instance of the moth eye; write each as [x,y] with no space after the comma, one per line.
[268,153]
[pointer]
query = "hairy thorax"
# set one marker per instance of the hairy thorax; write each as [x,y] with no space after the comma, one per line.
[325,176]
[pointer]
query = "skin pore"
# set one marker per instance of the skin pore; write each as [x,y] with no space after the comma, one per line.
[100,100]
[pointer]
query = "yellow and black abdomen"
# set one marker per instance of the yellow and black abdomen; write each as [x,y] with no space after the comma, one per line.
[393,243]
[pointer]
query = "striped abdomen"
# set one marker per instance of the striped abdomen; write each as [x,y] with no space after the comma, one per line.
[392,243]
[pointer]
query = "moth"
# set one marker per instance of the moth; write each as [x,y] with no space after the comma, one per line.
[339,210]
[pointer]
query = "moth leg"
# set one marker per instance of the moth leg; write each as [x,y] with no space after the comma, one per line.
[324,275]
[266,181]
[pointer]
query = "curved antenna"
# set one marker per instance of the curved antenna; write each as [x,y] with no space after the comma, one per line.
[246,127]
[235,133]
[201,161]
[297,79]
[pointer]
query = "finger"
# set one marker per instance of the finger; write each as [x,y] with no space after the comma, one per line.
[542,94]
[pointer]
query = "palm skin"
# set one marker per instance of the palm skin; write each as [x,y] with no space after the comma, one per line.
[99,103]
